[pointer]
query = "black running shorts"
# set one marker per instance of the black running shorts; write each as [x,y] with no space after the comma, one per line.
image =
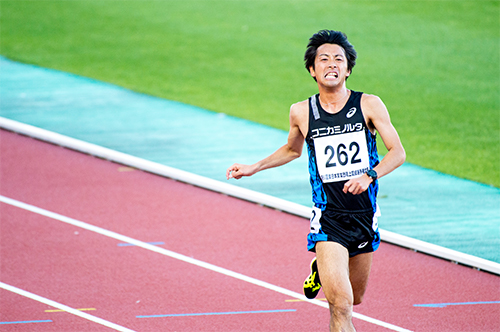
[357,232]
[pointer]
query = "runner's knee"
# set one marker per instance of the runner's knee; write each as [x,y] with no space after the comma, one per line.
[341,305]
[341,310]
[358,299]
[358,295]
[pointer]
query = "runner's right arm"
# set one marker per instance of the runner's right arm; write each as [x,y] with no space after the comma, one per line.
[288,152]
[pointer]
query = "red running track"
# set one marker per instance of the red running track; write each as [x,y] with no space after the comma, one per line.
[121,284]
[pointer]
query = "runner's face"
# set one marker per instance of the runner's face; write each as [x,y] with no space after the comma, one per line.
[330,65]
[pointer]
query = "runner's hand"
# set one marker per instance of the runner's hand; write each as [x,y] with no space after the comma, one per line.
[358,185]
[238,170]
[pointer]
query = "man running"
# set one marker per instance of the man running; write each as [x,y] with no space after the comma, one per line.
[339,127]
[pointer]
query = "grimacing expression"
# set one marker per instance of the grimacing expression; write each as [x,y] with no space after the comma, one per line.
[330,65]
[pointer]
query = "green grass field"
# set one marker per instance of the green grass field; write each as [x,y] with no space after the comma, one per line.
[436,64]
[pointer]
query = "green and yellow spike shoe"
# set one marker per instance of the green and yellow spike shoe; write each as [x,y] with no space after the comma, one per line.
[312,284]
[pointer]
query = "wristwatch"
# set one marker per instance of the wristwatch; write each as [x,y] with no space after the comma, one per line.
[371,173]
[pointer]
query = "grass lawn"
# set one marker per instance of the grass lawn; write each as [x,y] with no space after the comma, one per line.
[436,64]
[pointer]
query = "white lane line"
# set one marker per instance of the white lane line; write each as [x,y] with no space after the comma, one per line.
[234,191]
[186,259]
[64,307]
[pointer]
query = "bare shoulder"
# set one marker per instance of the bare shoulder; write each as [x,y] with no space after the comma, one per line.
[299,116]
[373,107]
[300,107]
[371,102]
[374,111]
[299,111]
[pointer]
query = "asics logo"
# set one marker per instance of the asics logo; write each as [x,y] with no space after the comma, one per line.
[362,245]
[351,112]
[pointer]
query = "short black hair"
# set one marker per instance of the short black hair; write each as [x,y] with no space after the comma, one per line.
[329,37]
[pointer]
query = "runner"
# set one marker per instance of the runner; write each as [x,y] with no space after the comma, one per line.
[339,127]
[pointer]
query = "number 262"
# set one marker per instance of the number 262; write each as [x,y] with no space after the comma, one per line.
[342,155]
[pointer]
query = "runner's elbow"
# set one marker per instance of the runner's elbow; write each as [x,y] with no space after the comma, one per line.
[294,154]
[402,156]
[398,155]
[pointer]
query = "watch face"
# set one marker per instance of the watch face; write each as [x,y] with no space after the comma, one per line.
[371,173]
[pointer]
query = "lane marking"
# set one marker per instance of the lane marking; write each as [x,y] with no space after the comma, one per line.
[64,307]
[187,259]
[219,313]
[126,169]
[133,245]
[27,322]
[443,305]
[59,310]
[233,191]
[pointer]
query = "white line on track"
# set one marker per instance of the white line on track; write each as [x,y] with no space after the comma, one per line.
[186,259]
[64,307]
[233,190]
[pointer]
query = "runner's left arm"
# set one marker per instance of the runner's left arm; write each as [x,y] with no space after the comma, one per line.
[377,118]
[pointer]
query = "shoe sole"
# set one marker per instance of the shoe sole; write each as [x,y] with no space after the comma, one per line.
[311,288]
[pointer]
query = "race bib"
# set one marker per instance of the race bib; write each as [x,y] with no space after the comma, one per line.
[341,157]
[314,221]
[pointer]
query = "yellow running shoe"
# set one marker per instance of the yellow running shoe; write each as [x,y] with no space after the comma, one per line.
[312,284]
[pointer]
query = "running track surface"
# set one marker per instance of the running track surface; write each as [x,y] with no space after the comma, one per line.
[195,140]
[121,283]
